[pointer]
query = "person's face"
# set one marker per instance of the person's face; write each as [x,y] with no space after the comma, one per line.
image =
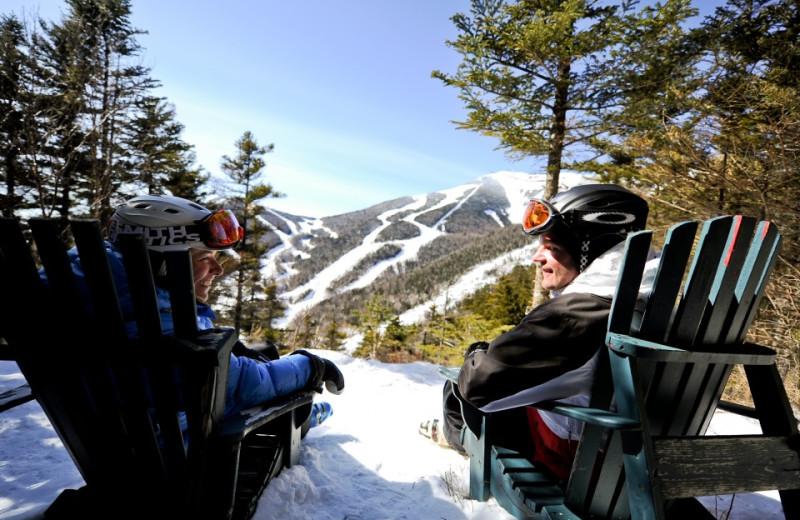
[557,266]
[205,267]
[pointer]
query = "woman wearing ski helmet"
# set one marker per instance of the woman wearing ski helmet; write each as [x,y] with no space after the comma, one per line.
[552,352]
[173,223]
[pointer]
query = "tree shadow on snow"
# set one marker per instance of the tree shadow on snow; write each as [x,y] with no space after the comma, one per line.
[34,466]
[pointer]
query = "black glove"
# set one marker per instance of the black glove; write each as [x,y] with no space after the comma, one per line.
[323,371]
[270,350]
[478,345]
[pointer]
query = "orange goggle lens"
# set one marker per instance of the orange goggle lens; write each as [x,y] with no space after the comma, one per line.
[222,229]
[538,216]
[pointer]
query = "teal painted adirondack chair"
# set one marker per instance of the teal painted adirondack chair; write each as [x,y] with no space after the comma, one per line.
[643,453]
[118,404]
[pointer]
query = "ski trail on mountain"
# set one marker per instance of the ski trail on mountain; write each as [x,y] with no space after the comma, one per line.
[518,188]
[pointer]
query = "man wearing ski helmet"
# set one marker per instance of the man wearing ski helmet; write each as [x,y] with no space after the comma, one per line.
[172,223]
[552,352]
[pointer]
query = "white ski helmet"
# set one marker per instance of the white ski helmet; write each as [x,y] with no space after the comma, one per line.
[172,223]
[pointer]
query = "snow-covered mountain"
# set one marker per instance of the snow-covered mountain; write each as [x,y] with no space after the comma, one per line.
[414,251]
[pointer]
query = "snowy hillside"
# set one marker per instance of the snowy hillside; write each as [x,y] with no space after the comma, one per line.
[314,260]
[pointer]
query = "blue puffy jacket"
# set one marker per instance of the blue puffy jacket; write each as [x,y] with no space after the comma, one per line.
[250,382]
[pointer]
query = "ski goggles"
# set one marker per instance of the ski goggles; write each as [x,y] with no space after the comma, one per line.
[220,230]
[538,217]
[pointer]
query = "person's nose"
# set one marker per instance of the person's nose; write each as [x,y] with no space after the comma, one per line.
[216,268]
[538,256]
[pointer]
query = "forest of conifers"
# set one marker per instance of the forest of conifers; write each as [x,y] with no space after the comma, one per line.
[703,118]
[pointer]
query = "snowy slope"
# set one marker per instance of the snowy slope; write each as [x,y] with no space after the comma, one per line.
[492,201]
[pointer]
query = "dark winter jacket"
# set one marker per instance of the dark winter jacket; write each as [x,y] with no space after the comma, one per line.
[560,335]
[250,382]
[552,353]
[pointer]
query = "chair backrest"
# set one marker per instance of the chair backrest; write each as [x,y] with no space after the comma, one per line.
[703,299]
[131,412]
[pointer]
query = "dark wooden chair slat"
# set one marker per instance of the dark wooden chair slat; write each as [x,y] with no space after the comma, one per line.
[181,291]
[53,254]
[32,305]
[121,409]
[103,295]
[20,273]
[630,279]
[700,280]
[675,253]
[141,286]
[749,290]
[730,270]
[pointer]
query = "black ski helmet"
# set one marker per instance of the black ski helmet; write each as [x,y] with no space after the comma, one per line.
[593,218]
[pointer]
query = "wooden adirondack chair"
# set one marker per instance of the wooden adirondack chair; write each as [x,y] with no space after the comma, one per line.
[142,419]
[643,453]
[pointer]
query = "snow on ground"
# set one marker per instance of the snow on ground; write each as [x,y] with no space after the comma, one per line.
[366,462]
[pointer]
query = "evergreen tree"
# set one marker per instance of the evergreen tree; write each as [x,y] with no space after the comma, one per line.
[160,158]
[543,76]
[13,59]
[270,309]
[97,60]
[505,301]
[305,336]
[396,346]
[371,321]
[245,190]
[52,145]
[333,336]
[82,131]
[729,147]
[726,147]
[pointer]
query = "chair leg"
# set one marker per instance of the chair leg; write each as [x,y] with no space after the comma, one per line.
[219,493]
[298,417]
[480,461]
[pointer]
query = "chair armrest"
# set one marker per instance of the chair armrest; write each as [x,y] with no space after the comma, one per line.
[220,341]
[594,416]
[743,354]
[450,373]
[16,396]
[235,427]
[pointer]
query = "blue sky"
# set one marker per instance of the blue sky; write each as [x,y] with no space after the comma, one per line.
[343,89]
